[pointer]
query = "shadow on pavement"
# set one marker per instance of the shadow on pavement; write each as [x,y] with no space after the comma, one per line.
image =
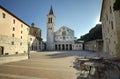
[63,54]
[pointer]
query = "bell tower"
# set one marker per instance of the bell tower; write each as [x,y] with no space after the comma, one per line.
[50,29]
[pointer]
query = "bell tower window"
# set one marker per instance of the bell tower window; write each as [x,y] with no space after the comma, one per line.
[49,20]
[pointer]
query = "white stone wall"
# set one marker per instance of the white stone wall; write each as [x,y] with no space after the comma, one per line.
[50,40]
[50,32]
[61,37]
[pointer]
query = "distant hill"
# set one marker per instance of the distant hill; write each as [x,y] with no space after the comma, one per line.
[94,33]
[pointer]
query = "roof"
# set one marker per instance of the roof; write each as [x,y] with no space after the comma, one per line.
[13,15]
[64,27]
[51,11]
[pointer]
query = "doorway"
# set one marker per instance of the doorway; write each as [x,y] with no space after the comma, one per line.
[1,50]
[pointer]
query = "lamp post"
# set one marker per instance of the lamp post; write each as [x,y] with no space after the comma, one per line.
[28,50]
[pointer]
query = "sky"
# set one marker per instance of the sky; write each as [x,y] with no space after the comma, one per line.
[79,15]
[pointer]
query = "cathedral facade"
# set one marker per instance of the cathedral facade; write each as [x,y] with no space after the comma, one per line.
[62,39]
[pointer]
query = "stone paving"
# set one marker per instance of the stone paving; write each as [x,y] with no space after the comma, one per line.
[44,65]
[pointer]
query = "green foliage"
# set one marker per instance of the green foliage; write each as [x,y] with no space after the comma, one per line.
[94,33]
[116,5]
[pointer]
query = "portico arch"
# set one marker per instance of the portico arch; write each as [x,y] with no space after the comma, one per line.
[70,46]
[63,47]
[59,47]
[56,47]
[66,46]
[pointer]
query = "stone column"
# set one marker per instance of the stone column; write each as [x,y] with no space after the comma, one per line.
[68,46]
[57,46]
[65,46]
[60,46]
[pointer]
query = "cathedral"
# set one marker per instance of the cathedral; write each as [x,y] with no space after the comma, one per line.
[62,39]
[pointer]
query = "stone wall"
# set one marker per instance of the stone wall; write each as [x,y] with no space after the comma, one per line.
[35,44]
[77,46]
[19,46]
[12,59]
[117,16]
[95,45]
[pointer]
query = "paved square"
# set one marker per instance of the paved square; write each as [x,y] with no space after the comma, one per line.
[43,65]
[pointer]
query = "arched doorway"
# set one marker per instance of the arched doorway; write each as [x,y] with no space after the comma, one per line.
[66,46]
[70,46]
[1,50]
[55,46]
[63,47]
[59,46]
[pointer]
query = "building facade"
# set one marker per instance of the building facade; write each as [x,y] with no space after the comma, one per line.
[13,33]
[110,28]
[16,35]
[35,39]
[62,39]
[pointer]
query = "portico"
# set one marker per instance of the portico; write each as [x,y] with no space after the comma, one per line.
[63,46]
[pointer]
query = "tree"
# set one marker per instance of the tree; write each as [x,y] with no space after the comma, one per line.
[116,5]
[94,33]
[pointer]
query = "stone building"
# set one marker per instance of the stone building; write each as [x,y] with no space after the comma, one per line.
[62,39]
[13,33]
[110,28]
[94,45]
[35,38]
[15,36]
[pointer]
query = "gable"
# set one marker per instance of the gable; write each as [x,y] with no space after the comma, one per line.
[64,31]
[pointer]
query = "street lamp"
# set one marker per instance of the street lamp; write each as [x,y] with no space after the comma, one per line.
[28,50]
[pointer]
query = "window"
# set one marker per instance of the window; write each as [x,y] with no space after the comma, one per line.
[20,44]
[27,29]
[112,24]
[14,21]
[64,33]
[114,42]
[3,15]
[13,35]
[21,26]
[12,42]
[110,9]
[21,32]
[63,38]
[21,37]
[79,45]
[13,28]
[49,20]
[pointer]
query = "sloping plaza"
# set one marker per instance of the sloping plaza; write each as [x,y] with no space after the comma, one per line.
[44,65]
